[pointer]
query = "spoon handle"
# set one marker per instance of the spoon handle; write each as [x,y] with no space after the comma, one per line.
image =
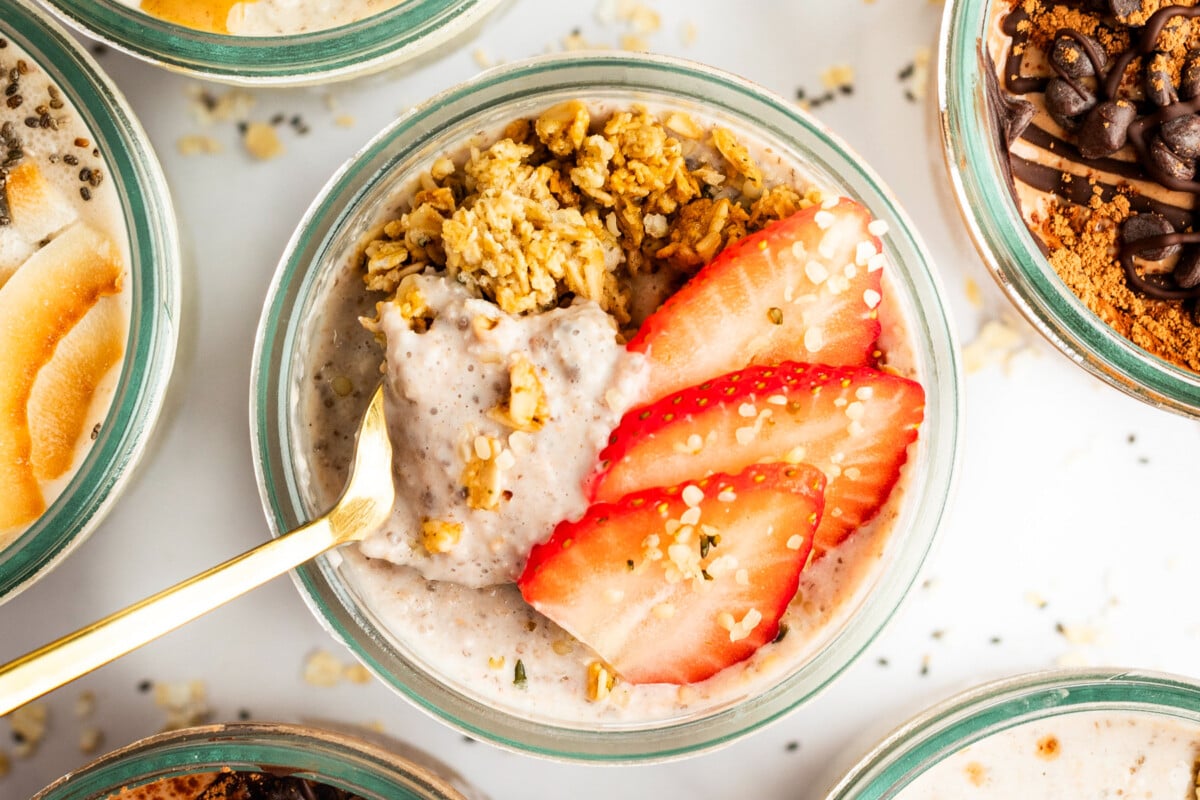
[76,654]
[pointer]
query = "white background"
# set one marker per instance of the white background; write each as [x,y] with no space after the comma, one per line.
[1076,505]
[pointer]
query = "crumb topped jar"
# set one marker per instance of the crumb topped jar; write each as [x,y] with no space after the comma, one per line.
[179,765]
[88,295]
[269,42]
[1061,131]
[1061,733]
[511,678]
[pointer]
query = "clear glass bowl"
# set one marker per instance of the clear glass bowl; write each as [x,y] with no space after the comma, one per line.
[974,161]
[331,231]
[345,762]
[979,713]
[410,30]
[153,274]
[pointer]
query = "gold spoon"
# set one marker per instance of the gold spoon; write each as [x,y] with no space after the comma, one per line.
[364,505]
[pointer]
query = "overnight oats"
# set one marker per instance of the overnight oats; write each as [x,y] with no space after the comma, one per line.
[64,296]
[654,383]
[1086,734]
[1096,106]
[648,405]
[261,17]
[1091,754]
[231,785]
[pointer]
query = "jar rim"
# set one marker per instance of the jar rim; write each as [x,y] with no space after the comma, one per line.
[346,761]
[384,39]
[635,76]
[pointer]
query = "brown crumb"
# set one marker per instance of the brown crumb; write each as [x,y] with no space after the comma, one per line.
[1082,242]
[976,773]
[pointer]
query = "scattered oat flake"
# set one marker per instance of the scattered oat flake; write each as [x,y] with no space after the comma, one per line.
[998,342]
[837,76]
[322,668]
[261,141]
[974,294]
[28,725]
[209,106]
[185,704]
[1035,599]
[356,673]
[197,145]
[482,58]
[635,43]
[85,705]
[345,120]
[90,740]
[688,34]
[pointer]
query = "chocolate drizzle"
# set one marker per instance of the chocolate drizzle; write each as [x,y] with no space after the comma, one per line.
[1142,135]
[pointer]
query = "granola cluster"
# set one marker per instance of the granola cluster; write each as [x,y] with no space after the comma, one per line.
[569,206]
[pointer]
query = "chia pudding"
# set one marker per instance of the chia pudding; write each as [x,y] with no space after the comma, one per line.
[261,17]
[64,298]
[438,578]
[1091,754]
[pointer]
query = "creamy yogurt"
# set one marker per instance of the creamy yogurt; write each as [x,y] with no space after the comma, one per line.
[1090,755]
[443,386]
[60,209]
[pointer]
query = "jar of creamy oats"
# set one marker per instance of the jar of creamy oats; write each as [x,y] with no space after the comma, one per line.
[461,642]
[278,42]
[1043,736]
[89,294]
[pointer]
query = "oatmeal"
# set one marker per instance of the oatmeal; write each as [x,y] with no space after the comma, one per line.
[64,308]
[228,785]
[261,17]
[516,293]
[1088,755]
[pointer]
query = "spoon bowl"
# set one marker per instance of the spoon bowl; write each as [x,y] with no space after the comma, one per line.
[364,505]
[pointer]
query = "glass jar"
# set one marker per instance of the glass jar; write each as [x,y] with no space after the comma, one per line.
[412,29]
[970,718]
[153,273]
[975,161]
[336,759]
[331,233]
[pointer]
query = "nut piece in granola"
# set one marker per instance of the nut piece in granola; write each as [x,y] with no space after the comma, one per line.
[440,536]
[527,408]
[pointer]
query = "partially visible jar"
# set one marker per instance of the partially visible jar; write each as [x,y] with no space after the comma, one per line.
[367,770]
[404,32]
[977,157]
[89,295]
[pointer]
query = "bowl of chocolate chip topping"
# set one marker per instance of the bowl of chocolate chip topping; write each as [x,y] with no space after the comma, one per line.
[1071,133]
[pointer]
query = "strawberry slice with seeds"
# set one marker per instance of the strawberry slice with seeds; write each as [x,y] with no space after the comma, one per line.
[805,288]
[853,423]
[673,585]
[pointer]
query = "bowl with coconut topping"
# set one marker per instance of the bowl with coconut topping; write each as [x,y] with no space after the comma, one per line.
[672,398]
[278,42]
[89,295]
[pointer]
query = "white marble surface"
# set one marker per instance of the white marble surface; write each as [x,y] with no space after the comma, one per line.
[1075,503]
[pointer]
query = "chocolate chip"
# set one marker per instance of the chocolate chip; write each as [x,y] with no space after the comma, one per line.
[1072,59]
[1169,165]
[1143,226]
[1065,104]
[1182,135]
[1158,87]
[1106,128]
[1187,271]
[1015,118]
[1189,76]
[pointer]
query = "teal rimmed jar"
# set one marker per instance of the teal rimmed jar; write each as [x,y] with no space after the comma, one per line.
[1053,696]
[407,31]
[335,759]
[330,235]
[152,275]
[975,161]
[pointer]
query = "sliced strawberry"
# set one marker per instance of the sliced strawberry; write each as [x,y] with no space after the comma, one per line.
[673,585]
[852,423]
[805,288]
